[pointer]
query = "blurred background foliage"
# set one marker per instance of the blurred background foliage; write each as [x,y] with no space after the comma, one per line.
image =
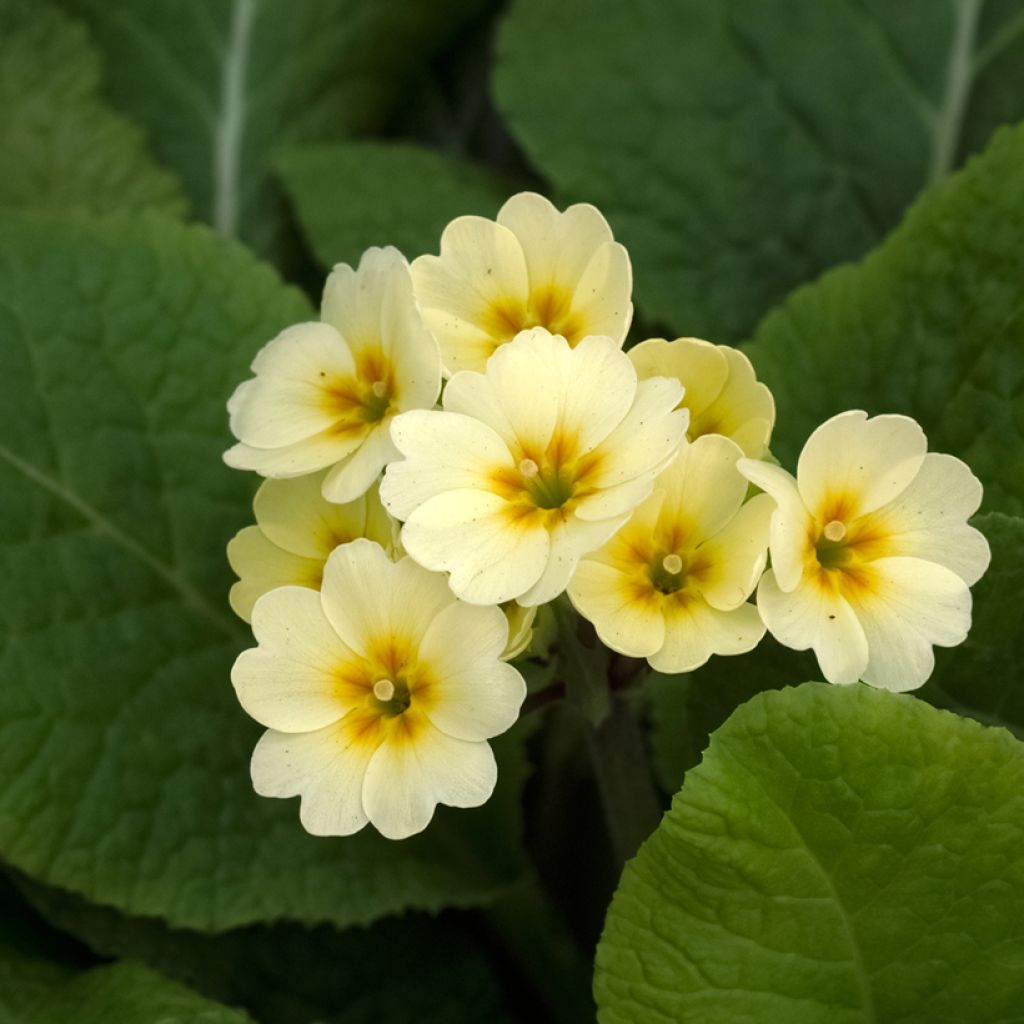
[739,148]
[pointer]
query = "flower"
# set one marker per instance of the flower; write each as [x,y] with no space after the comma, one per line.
[531,465]
[722,393]
[296,529]
[379,694]
[671,586]
[534,267]
[871,553]
[325,393]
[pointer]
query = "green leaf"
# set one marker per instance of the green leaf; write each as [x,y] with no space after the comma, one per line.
[60,146]
[841,855]
[221,87]
[122,993]
[931,324]
[981,677]
[742,146]
[431,970]
[394,194]
[126,753]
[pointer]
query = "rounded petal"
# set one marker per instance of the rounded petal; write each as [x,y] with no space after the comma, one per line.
[601,300]
[810,617]
[287,401]
[305,456]
[473,695]
[294,680]
[855,465]
[326,767]
[262,566]
[698,365]
[624,610]
[367,597]
[351,478]
[418,768]
[694,631]
[294,514]
[744,410]
[444,451]
[911,604]
[737,555]
[928,520]
[493,551]
[791,523]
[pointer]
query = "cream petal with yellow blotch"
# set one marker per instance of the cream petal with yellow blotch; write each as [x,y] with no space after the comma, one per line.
[532,267]
[871,552]
[296,529]
[721,389]
[671,586]
[380,692]
[324,394]
[530,465]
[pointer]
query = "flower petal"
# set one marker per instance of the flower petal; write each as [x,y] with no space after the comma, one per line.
[262,566]
[326,767]
[409,775]
[305,456]
[601,299]
[367,597]
[354,475]
[737,555]
[291,682]
[694,631]
[911,605]
[294,514]
[811,617]
[627,616]
[863,463]
[698,365]
[493,552]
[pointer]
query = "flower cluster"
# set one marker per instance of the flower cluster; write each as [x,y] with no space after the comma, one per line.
[405,536]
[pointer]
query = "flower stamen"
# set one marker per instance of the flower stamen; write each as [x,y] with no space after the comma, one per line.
[672,564]
[384,690]
[529,469]
[834,531]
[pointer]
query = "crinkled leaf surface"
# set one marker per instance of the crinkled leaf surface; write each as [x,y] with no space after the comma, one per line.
[60,145]
[931,324]
[982,677]
[350,196]
[841,855]
[740,147]
[222,86]
[121,744]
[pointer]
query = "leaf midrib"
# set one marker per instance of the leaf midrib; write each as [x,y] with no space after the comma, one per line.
[192,596]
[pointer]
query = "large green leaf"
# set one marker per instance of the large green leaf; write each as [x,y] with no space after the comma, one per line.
[221,86]
[59,144]
[739,147]
[124,753]
[842,856]
[982,677]
[930,324]
[350,196]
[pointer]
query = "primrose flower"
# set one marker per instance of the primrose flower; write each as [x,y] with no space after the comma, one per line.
[672,585]
[871,553]
[325,393]
[379,694]
[530,466]
[722,392]
[296,529]
[534,267]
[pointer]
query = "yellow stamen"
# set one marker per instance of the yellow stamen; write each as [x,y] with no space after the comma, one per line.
[529,468]
[384,690]
[672,564]
[834,531]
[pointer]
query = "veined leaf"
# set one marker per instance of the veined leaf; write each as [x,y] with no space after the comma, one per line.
[740,147]
[842,855]
[931,324]
[352,195]
[60,145]
[123,751]
[222,86]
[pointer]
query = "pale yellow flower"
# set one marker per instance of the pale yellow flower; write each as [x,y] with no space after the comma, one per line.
[296,529]
[325,393]
[722,393]
[672,585]
[379,693]
[533,267]
[530,466]
[872,556]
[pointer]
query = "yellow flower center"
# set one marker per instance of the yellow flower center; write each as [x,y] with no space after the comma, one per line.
[363,398]
[672,574]
[552,481]
[841,545]
[547,306]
